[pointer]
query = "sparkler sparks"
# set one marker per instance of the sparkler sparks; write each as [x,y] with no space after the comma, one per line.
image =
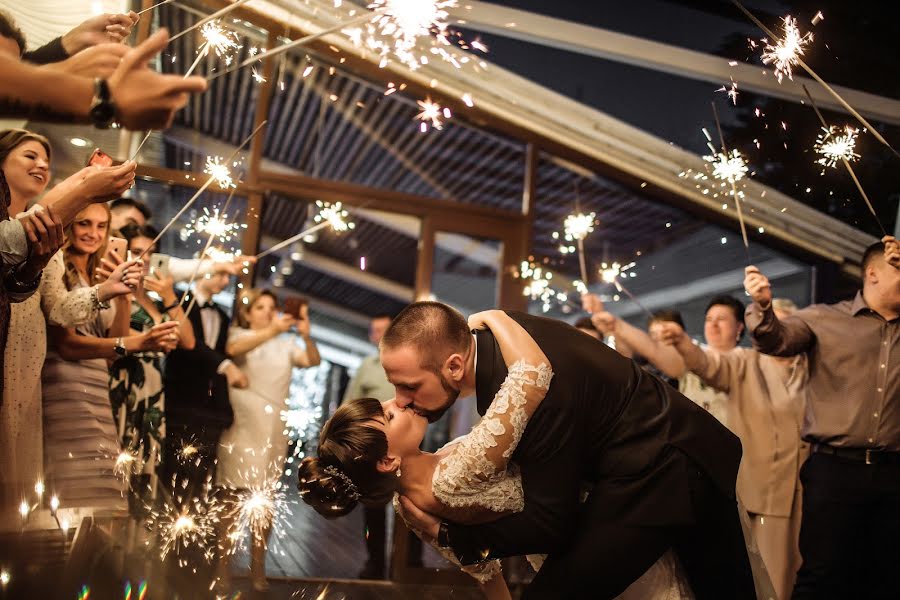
[180,527]
[730,91]
[432,111]
[213,223]
[578,226]
[786,52]
[219,40]
[334,215]
[609,273]
[219,171]
[730,167]
[835,147]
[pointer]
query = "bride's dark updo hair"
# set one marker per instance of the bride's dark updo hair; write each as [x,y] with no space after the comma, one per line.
[345,471]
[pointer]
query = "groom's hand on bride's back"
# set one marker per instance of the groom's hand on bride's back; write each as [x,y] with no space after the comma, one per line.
[425,522]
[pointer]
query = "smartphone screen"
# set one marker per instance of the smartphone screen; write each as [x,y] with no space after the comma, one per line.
[159,265]
[119,246]
[294,305]
[101,158]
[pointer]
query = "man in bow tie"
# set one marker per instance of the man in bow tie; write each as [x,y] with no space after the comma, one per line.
[197,381]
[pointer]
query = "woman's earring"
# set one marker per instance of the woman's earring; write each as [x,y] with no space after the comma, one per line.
[398,471]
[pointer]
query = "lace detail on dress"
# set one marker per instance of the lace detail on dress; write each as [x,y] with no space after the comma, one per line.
[63,307]
[482,572]
[475,473]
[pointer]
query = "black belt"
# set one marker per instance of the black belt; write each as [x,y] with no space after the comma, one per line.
[864,455]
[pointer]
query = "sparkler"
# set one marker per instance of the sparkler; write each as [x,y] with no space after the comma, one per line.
[611,273]
[260,509]
[403,22]
[730,167]
[842,148]
[149,8]
[205,185]
[216,39]
[787,50]
[219,13]
[219,171]
[329,215]
[215,224]
[577,227]
[216,230]
[290,45]
[835,147]
[538,286]
[820,81]
[432,111]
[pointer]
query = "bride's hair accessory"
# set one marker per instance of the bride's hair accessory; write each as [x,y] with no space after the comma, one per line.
[352,491]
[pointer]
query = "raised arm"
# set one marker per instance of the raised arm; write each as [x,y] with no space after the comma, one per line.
[772,336]
[251,338]
[492,442]
[310,356]
[716,369]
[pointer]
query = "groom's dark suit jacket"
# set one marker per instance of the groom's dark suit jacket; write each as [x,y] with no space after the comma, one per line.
[604,420]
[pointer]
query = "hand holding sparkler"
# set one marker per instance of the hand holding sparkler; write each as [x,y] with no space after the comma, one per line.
[891,251]
[758,287]
[119,277]
[145,99]
[100,29]
[97,61]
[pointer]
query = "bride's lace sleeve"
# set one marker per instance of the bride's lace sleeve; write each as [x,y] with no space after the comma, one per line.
[477,466]
[482,572]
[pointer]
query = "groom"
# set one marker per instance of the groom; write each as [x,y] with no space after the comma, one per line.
[663,470]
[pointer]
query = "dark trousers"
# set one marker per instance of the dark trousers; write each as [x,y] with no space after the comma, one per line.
[850,532]
[376,538]
[606,557]
[190,455]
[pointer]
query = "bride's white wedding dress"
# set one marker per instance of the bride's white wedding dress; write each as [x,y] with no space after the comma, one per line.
[475,482]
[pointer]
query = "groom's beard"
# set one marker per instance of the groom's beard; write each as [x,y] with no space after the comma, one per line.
[451,396]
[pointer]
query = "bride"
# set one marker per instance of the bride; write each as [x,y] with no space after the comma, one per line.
[369,451]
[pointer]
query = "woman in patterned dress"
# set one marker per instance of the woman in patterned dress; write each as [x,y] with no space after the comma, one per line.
[136,384]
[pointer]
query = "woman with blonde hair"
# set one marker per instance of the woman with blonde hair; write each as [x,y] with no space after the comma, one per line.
[252,451]
[24,175]
[80,442]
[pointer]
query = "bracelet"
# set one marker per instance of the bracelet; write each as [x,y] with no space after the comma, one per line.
[15,284]
[443,539]
[95,299]
[166,309]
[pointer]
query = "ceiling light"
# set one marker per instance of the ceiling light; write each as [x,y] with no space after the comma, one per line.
[79,142]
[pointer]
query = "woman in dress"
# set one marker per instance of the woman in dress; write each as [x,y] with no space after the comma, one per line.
[25,166]
[253,450]
[80,442]
[136,379]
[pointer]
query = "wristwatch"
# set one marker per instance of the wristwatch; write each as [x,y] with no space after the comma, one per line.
[103,110]
[120,347]
[443,538]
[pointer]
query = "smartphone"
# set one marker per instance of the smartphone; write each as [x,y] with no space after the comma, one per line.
[159,265]
[293,306]
[118,245]
[100,158]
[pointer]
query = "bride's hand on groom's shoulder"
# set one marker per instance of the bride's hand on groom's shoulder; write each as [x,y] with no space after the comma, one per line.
[417,518]
[482,320]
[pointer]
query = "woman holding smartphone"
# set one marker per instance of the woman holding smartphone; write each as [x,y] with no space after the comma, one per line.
[136,377]
[24,176]
[252,451]
[80,441]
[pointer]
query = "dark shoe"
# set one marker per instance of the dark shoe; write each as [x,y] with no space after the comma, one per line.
[372,570]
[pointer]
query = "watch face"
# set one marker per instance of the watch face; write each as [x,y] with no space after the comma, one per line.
[102,114]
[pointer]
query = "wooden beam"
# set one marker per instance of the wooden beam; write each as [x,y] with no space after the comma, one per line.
[256,200]
[425,259]
[454,216]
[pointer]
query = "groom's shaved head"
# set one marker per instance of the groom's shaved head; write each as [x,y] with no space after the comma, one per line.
[435,330]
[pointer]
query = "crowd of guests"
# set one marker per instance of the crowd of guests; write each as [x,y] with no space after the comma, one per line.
[814,402]
[119,392]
